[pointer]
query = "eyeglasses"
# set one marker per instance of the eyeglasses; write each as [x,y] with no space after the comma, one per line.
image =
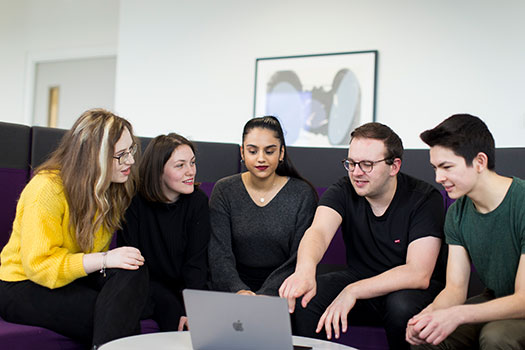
[365,165]
[124,156]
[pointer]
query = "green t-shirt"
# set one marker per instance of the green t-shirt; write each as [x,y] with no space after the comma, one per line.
[495,240]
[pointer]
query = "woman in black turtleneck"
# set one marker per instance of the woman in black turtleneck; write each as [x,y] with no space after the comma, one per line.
[169,222]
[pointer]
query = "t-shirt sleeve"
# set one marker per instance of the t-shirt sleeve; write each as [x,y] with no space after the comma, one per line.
[335,197]
[427,219]
[451,228]
[518,209]
[522,232]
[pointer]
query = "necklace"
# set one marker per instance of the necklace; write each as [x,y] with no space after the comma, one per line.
[261,198]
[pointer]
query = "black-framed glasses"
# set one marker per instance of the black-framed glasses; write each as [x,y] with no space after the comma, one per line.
[124,156]
[365,165]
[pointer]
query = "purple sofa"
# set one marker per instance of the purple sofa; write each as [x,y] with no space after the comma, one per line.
[24,148]
[21,337]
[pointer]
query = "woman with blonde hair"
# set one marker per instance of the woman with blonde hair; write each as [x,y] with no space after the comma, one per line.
[64,223]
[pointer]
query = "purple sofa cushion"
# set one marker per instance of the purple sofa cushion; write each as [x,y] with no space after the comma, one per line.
[21,337]
[336,252]
[148,326]
[207,187]
[364,338]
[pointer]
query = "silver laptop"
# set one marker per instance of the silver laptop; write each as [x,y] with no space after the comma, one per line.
[227,321]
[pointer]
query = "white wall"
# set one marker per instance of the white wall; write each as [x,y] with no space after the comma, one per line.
[82,84]
[50,28]
[188,66]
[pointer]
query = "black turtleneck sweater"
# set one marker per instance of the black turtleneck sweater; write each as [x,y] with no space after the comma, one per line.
[172,237]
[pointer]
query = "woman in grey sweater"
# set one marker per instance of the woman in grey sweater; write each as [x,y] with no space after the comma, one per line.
[259,217]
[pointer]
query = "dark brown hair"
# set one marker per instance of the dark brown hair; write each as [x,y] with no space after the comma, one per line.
[155,157]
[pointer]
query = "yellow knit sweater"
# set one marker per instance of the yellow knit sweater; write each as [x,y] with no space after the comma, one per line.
[42,247]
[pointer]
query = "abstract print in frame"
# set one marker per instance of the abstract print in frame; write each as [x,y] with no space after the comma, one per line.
[319,99]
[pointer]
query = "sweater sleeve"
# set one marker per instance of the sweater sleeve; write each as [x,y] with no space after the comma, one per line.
[195,268]
[224,275]
[303,221]
[44,227]
[129,234]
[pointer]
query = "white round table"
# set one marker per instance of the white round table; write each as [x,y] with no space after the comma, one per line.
[182,341]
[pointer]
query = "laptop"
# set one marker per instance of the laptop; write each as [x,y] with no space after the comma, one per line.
[227,321]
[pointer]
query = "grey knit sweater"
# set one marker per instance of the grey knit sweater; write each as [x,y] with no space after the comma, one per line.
[261,240]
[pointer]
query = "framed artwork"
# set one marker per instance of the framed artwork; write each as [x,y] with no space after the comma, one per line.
[319,99]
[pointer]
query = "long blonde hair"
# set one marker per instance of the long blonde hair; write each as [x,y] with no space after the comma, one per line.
[84,160]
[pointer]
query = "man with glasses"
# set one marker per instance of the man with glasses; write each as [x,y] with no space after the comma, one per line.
[392,226]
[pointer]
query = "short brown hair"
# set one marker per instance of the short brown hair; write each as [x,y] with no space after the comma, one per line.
[378,131]
[155,157]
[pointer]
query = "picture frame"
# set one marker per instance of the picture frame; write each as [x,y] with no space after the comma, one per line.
[320,98]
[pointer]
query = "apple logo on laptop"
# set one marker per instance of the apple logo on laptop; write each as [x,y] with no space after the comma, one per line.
[238,326]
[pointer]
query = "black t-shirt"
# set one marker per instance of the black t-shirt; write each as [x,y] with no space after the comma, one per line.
[377,244]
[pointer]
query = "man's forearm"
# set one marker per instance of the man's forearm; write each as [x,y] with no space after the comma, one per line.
[311,251]
[448,297]
[398,278]
[509,307]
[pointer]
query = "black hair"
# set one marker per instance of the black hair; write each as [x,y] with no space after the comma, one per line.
[285,167]
[466,135]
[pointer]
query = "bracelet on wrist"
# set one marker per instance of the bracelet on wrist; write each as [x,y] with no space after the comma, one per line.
[103,268]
